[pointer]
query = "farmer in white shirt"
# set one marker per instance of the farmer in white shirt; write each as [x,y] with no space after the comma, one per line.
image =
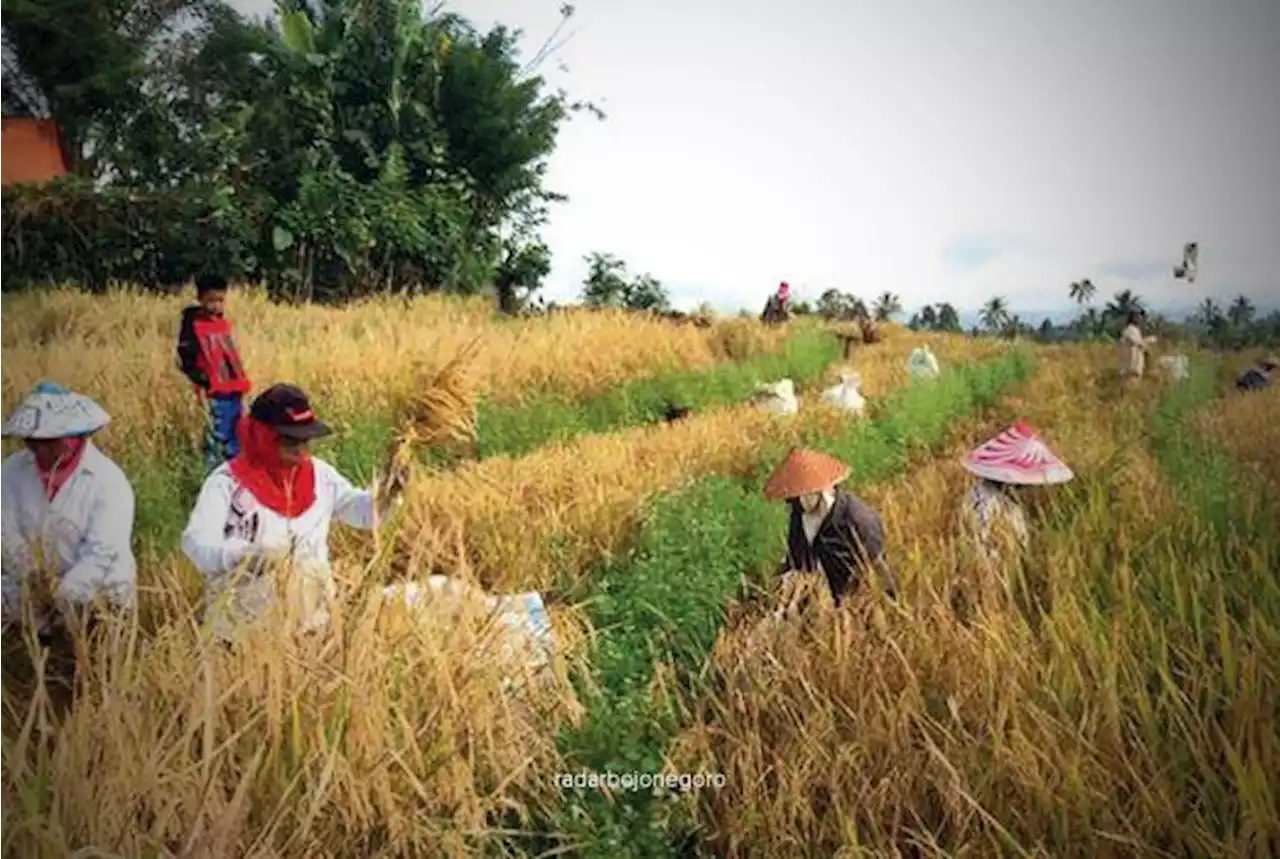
[67,511]
[269,507]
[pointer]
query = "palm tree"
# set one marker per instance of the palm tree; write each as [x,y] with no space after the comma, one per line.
[888,305]
[995,313]
[1241,312]
[1082,291]
[1124,303]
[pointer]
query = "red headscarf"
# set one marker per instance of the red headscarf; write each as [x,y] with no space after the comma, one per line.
[288,491]
[784,291]
[60,472]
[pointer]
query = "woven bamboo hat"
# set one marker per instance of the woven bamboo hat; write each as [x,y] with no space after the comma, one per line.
[1271,361]
[804,471]
[1018,456]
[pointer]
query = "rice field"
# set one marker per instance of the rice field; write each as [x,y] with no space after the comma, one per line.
[1115,692]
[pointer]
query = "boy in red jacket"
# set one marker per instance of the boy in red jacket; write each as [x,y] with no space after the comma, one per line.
[208,357]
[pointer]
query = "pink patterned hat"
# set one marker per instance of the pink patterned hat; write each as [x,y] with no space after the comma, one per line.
[1017,456]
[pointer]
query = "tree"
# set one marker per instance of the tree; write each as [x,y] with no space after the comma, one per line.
[606,284]
[1241,312]
[523,266]
[1082,291]
[887,306]
[995,314]
[929,317]
[81,62]
[948,318]
[1123,303]
[1046,329]
[647,293]
[358,145]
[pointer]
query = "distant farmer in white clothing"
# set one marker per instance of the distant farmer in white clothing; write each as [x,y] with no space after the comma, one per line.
[270,507]
[67,513]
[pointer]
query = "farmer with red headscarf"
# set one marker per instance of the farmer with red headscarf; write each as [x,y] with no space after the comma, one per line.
[271,504]
[68,509]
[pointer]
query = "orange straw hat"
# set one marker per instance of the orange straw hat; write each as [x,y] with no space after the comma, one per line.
[804,471]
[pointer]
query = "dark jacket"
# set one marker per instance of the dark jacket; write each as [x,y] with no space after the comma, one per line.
[1254,380]
[848,545]
[189,349]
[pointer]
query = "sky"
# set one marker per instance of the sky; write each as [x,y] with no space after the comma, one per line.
[942,151]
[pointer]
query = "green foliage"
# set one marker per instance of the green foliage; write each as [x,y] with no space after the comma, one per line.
[608,285]
[341,149]
[834,305]
[665,600]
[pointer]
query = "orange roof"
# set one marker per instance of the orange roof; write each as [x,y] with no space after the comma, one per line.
[30,151]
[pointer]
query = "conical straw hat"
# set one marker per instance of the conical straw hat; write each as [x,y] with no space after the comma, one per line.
[804,471]
[1017,456]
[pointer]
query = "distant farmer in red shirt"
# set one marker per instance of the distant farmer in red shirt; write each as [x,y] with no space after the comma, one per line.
[784,294]
[208,357]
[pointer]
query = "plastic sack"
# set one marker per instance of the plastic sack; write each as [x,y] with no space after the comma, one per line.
[779,398]
[922,364]
[530,637]
[846,395]
[1176,367]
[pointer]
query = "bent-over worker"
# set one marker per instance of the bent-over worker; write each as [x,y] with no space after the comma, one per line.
[272,503]
[992,517]
[831,531]
[67,510]
[1259,377]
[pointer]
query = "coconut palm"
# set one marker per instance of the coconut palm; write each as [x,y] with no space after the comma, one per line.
[888,305]
[995,314]
[1082,291]
[1123,303]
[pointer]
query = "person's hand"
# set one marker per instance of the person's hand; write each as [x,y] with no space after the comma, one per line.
[262,560]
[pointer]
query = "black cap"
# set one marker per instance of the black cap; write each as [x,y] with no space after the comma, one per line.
[286,409]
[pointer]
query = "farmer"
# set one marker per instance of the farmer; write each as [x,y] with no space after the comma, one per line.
[775,309]
[831,532]
[1132,350]
[272,503]
[1258,377]
[208,357]
[67,511]
[992,517]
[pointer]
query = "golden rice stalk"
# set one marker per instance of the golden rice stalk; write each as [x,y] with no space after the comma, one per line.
[440,411]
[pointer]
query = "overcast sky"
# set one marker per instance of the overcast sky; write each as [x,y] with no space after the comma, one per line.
[940,150]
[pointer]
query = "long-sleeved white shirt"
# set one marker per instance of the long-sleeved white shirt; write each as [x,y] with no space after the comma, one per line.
[228,525]
[84,534]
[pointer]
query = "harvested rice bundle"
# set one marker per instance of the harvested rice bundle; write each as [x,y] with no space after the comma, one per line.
[439,412]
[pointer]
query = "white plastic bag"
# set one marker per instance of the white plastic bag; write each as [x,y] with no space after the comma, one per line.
[846,394]
[779,398]
[1176,367]
[922,364]
[530,637]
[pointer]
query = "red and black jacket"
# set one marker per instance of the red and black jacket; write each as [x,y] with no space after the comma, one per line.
[208,356]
